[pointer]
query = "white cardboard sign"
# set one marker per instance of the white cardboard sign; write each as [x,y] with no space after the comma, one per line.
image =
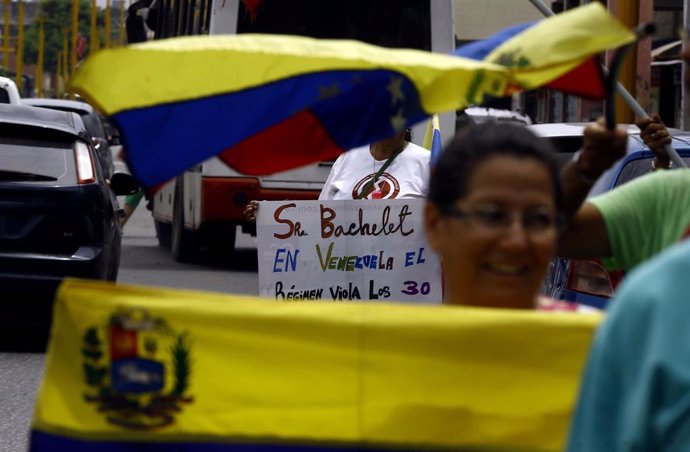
[346,250]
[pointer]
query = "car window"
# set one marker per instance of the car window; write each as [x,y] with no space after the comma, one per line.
[93,125]
[566,147]
[37,162]
[637,168]
[4,96]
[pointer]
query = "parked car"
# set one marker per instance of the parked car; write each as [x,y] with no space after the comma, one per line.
[483,114]
[92,120]
[586,281]
[58,213]
[9,94]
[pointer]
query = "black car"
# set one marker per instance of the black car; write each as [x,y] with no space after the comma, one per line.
[58,212]
[92,120]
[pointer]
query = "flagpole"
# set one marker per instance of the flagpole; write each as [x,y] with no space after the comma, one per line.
[625,95]
[685,104]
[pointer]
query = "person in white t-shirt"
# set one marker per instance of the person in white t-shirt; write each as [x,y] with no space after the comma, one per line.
[405,173]
[389,169]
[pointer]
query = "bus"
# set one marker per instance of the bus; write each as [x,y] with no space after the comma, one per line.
[203,208]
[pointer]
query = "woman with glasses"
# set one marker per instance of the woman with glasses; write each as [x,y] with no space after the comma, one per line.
[492,215]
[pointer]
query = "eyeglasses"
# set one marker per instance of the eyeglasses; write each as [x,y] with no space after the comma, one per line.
[535,222]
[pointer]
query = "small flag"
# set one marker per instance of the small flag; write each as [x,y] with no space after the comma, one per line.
[432,138]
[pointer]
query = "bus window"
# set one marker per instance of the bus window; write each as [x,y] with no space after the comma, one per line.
[388,23]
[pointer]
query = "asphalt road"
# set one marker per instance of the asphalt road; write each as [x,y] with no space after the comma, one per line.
[143,262]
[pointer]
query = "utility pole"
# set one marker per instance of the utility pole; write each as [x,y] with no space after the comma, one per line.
[629,15]
[94,30]
[6,37]
[65,53]
[108,19]
[39,64]
[20,48]
[122,23]
[59,76]
[75,38]
[685,102]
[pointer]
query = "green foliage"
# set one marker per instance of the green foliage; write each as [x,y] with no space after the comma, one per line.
[94,375]
[182,363]
[58,17]
[91,338]
[92,353]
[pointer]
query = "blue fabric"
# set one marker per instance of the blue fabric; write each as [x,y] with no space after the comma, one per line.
[635,395]
[436,146]
[478,50]
[182,134]
[45,442]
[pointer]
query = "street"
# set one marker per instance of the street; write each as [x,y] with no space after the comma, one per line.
[143,262]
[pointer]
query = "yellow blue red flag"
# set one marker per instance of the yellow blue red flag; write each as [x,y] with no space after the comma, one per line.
[270,103]
[132,368]
[551,52]
[432,138]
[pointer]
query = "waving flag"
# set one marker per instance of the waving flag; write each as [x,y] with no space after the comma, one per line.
[230,373]
[586,80]
[270,103]
[432,138]
[536,51]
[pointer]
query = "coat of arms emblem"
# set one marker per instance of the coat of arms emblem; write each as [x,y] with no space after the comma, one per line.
[137,369]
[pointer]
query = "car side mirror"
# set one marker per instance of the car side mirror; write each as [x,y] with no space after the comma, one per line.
[97,142]
[123,184]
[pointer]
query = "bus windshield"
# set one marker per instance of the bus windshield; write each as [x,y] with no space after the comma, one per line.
[388,23]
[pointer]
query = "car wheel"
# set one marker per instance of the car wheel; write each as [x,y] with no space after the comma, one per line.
[115,252]
[163,233]
[113,271]
[183,243]
[220,241]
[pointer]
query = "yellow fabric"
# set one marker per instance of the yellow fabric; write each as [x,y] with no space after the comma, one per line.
[193,67]
[432,376]
[431,126]
[555,45]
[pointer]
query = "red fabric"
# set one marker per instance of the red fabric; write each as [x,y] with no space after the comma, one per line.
[123,343]
[586,80]
[297,141]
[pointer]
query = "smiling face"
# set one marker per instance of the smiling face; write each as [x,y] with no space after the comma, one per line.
[495,253]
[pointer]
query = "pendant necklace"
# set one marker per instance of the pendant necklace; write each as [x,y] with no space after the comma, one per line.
[376,192]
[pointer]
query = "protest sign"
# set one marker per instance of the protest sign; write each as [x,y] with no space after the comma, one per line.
[346,250]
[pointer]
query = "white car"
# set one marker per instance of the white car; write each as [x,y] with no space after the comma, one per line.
[9,94]
[482,114]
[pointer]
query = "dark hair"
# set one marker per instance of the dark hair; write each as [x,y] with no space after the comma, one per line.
[408,135]
[478,143]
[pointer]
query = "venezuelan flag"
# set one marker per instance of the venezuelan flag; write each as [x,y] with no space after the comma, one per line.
[432,138]
[551,50]
[265,104]
[269,103]
[132,368]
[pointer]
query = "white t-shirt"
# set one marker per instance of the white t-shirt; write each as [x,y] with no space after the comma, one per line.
[406,177]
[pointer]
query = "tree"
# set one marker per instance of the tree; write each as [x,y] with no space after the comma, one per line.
[58,16]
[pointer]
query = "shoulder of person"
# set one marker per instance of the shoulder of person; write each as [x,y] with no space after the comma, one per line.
[350,154]
[648,183]
[658,285]
[358,150]
[414,150]
[675,176]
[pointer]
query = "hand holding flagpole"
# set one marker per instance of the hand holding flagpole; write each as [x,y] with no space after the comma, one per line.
[627,97]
